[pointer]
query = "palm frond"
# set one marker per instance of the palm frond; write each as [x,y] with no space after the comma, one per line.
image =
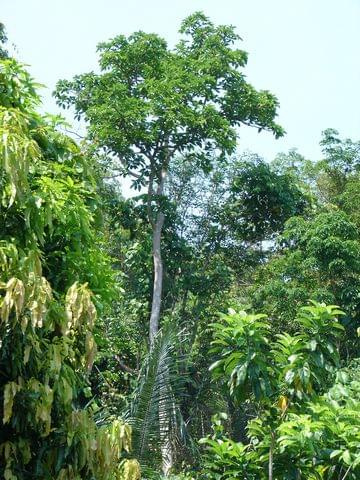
[154,413]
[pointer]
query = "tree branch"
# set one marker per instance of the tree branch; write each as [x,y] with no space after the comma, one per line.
[149,196]
[74,133]
[347,472]
[121,174]
[124,367]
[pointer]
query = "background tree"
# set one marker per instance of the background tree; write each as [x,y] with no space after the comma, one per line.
[316,255]
[3,40]
[261,200]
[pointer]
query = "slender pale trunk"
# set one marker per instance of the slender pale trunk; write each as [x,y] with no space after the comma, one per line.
[271,456]
[158,278]
[164,419]
[157,226]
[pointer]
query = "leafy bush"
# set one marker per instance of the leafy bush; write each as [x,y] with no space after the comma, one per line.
[49,258]
[302,428]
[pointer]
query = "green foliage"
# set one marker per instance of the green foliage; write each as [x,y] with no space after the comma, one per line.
[341,155]
[302,427]
[325,438]
[49,259]
[242,340]
[154,411]
[293,364]
[317,258]
[149,98]
[225,459]
[295,432]
[261,200]
[316,254]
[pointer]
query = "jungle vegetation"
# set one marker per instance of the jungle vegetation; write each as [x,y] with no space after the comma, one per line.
[205,327]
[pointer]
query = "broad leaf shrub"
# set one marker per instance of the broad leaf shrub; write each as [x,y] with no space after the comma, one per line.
[53,272]
[306,424]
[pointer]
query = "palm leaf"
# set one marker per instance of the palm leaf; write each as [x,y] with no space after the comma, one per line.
[154,413]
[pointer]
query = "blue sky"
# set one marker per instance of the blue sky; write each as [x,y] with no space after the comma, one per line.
[304,51]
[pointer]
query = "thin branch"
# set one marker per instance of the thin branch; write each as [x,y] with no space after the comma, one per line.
[102,376]
[124,164]
[347,472]
[74,133]
[110,177]
[124,367]
[133,174]
[121,174]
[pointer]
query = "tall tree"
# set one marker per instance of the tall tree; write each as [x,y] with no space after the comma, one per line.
[151,103]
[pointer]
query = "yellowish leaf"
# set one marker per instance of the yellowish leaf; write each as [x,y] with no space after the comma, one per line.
[10,390]
[283,403]
[27,351]
[132,470]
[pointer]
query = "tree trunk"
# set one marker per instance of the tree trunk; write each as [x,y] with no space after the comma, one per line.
[166,447]
[157,225]
[158,278]
[167,452]
[271,456]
